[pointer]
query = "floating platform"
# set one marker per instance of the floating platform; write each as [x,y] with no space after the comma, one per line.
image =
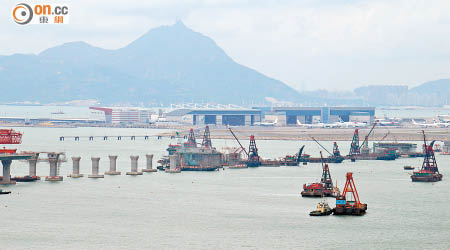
[26,178]
[238,166]
[75,175]
[149,170]
[350,210]
[113,173]
[426,178]
[53,178]
[173,170]
[134,173]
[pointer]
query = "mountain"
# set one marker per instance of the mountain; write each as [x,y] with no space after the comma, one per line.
[441,86]
[169,64]
[432,94]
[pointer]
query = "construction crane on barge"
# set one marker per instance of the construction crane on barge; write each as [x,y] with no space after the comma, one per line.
[253,159]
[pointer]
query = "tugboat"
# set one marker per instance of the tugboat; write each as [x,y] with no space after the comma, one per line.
[4,192]
[429,171]
[351,206]
[324,188]
[322,209]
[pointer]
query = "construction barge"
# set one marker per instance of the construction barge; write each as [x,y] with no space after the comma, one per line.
[350,205]
[429,171]
[188,156]
[324,188]
[362,152]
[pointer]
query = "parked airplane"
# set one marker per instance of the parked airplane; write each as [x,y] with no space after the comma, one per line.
[432,125]
[388,122]
[315,125]
[267,124]
[342,124]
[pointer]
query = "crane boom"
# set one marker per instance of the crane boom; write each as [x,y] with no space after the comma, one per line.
[235,137]
[321,146]
[367,136]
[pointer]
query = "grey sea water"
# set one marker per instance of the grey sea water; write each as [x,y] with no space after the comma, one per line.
[257,208]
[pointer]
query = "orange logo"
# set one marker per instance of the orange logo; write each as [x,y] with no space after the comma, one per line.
[22,13]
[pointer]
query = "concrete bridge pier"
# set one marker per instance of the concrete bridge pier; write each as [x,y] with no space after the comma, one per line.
[112,166]
[7,173]
[95,167]
[53,160]
[32,165]
[134,165]
[149,164]
[76,168]
[173,165]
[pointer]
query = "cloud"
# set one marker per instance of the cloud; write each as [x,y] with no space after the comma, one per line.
[334,44]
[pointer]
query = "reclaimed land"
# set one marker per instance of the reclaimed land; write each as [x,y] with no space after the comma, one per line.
[321,134]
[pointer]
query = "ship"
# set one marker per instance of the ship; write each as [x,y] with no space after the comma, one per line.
[349,205]
[429,171]
[324,188]
[4,192]
[191,157]
[322,209]
[408,168]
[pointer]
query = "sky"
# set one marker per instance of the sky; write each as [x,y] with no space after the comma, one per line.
[307,44]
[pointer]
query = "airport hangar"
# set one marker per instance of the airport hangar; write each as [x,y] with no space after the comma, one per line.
[305,115]
[288,115]
[233,117]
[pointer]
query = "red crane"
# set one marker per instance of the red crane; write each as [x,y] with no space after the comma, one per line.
[429,171]
[351,206]
[336,151]
[354,147]
[191,139]
[253,157]
[9,136]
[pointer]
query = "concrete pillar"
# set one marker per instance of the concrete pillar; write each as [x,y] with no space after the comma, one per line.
[76,168]
[112,165]
[95,167]
[32,166]
[134,165]
[7,172]
[173,165]
[149,164]
[53,160]
[173,162]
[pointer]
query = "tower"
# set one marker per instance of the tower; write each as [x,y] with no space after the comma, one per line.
[253,157]
[206,143]
[354,147]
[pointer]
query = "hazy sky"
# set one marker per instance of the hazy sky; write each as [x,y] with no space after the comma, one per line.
[333,44]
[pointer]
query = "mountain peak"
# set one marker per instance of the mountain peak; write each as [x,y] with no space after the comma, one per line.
[179,24]
[169,64]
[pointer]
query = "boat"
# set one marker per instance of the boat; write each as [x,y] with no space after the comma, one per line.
[408,168]
[349,205]
[4,192]
[429,171]
[198,168]
[323,188]
[312,190]
[26,178]
[322,209]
